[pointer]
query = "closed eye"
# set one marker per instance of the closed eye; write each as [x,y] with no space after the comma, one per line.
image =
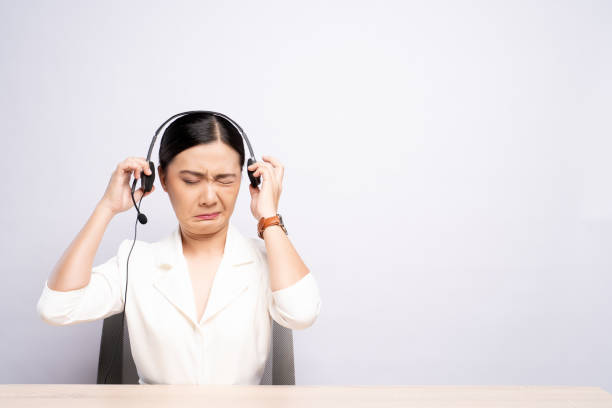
[195,182]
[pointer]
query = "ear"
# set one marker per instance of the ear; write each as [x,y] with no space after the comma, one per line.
[162,177]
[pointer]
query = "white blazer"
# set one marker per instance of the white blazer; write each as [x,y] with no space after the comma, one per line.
[230,345]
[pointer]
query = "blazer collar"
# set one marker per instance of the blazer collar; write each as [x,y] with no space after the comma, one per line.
[236,250]
[236,272]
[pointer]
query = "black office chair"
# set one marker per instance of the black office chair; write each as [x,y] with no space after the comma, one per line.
[279,366]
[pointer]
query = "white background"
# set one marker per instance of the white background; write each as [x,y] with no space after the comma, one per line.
[447,172]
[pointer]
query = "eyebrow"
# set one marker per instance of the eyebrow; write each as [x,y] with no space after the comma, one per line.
[198,174]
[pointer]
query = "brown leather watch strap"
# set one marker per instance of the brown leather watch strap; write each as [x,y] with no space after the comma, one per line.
[267,222]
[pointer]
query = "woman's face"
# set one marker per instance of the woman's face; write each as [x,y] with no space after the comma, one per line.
[200,180]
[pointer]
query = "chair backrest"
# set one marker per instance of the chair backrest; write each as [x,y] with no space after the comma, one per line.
[279,366]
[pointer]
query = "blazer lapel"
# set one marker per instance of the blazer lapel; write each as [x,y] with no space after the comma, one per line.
[237,271]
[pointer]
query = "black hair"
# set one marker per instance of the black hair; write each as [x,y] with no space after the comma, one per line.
[197,128]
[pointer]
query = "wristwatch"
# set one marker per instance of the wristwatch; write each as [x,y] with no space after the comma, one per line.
[266,222]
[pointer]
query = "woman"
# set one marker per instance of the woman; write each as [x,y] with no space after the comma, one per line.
[201,300]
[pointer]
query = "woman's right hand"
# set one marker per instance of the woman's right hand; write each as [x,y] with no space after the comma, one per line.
[118,194]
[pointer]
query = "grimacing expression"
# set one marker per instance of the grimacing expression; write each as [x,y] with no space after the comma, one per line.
[203,179]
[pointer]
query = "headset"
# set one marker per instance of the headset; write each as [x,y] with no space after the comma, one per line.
[146,182]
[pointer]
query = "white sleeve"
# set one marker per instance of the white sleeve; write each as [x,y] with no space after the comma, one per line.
[101,298]
[297,306]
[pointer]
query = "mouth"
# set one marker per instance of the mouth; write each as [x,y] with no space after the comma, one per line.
[209,216]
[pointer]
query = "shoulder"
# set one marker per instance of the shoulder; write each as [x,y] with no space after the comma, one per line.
[135,251]
[135,245]
[258,244]
[135,248]
[258,249]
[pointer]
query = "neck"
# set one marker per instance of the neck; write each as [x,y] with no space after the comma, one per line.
[204,244]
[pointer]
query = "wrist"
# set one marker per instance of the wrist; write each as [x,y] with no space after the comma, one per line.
[104,210]
[267,222]
[272,228]
[267,214]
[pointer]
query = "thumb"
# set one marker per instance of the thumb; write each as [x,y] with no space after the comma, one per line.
[138,195]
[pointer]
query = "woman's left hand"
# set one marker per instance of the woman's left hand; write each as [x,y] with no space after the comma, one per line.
[265,197]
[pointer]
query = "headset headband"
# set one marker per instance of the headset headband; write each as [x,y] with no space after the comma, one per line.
[236,125]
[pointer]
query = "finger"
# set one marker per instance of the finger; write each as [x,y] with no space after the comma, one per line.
[253,166]
[272,160]
[128,166]
[138,159]
[269,175]
[263,168]
[257,164]
[146,169]
[270,168]
[142,165]
[145,166]
[279,169]
[254,192]
[136,168]
[140,193]
[138,165]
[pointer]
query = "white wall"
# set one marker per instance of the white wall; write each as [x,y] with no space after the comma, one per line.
[447,172]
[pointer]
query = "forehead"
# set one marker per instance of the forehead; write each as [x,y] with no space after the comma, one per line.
[215,157]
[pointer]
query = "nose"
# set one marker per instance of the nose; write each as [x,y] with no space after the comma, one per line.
[208,195]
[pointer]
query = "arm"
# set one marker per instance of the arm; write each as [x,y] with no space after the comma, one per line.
[103,295]
[293,294]
[73,270]
[297,304]
[75,291]
[286,265]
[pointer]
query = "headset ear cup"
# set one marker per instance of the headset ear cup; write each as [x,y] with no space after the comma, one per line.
[254,180]
[147,181]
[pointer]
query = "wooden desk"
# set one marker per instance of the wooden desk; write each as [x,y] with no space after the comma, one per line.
[273,396]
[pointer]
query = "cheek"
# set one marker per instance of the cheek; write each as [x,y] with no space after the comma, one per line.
[183,196]
[229,195]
